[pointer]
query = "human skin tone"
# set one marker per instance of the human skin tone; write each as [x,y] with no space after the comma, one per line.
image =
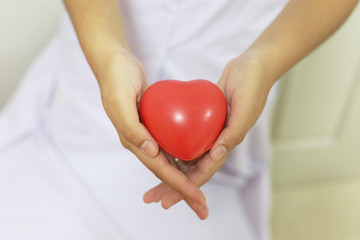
[248,78]
[121,78]
[246,82]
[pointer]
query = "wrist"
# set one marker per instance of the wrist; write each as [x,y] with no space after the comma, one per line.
[268,61]
[255,61]
[115,62]
[120,70]
[102,58]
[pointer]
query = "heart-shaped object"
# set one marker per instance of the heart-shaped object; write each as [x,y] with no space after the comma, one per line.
[185,118]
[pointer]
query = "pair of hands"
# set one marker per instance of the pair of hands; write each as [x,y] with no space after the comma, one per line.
[245,85]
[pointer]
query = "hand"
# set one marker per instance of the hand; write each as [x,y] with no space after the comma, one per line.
[246,85]
[122,82]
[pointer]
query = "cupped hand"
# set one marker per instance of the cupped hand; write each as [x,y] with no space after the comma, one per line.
[246,85]
[122,82]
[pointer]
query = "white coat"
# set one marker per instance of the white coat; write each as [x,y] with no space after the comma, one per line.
[64,173]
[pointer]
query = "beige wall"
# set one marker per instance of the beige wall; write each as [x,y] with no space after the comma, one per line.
[318,211]
[316,123]
[316,139]
[26,26]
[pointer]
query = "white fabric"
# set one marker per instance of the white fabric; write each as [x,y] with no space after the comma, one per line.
[64,173]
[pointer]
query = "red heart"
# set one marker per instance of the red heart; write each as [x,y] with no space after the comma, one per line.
[185,118]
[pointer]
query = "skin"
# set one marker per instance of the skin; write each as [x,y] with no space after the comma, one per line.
[99,28]
[246,82]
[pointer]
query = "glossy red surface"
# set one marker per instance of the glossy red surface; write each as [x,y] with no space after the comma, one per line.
[185,118]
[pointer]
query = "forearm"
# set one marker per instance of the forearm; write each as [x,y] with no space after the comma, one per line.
[300,28]
[99,28]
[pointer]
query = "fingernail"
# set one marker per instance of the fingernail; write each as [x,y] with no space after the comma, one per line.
[218,153]
[149,148]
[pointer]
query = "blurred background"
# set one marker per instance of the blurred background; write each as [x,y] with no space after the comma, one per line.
[316,123]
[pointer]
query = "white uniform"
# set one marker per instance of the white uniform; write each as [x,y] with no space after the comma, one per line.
[64,173]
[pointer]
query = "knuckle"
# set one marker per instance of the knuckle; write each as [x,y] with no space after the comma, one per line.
[129,134]
[124,143]
[237,138]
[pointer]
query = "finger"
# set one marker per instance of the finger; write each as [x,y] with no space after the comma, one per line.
[201,210]
[206,168]
[234,133]
[230,137]
[156,193]
[170,175]
[135,137]
[120,98]
[122,110]
[172,197]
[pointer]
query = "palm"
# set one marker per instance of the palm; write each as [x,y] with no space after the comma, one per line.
[245,87]
[123,82]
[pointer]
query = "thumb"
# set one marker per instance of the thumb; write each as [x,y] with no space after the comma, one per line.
[226,142]
[123,113]
[137,135]
[233,134]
